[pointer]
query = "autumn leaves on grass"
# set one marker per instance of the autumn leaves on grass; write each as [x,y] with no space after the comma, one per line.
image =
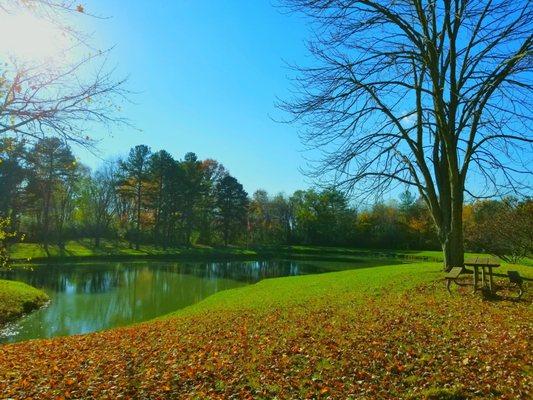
[419,344]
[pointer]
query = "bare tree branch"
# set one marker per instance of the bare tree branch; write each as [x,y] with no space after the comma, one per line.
[70,100]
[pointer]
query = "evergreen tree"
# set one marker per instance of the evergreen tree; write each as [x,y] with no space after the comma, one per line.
[232,205]
[53,173]
[161,167]
[135,177]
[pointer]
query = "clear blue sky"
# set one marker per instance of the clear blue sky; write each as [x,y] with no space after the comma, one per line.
[207,75]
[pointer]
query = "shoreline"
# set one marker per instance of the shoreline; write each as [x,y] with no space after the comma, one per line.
[299,253]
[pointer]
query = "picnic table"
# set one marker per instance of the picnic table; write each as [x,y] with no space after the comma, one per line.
[486,266]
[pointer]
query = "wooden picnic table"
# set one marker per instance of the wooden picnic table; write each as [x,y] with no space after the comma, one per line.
[486,265]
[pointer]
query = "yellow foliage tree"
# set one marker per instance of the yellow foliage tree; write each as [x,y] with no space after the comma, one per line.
[4,235]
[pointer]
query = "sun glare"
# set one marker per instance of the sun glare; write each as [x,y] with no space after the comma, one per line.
[28,38]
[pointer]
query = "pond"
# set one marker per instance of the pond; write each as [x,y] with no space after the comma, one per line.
[91,297]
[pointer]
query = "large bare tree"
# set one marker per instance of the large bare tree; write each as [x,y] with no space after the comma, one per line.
[72,98]
[433,94]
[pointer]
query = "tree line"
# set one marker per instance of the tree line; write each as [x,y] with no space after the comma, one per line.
[148,197]
[152,198]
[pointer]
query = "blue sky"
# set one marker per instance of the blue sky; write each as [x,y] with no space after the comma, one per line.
[207,74]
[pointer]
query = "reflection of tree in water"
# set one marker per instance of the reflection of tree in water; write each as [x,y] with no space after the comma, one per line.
[92,297]
[249,271]
[69,278]
[100,278]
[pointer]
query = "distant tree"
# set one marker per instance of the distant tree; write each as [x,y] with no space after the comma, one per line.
[64,204]
[386,229]
[161,167]
[124,205]
[302,216]
[407,201]
[173,204]
[135,170]
[53,169]
[232,205]
[195,187]
[323,218]
[335,220]
[97,201]
[213,172]
[415,225]
[422,232]
[502,228]
[419,93]
[284,216]
[259,218]
[270,219]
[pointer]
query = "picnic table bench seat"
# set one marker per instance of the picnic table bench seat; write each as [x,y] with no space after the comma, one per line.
[516,280]
[452,276]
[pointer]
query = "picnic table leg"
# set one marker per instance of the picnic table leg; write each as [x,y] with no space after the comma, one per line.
[490,279]
[483,277]
[475,278]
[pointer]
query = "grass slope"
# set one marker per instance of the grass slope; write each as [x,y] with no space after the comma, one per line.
[17,298]
[383,332]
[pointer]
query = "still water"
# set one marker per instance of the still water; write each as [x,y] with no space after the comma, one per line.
[91,297]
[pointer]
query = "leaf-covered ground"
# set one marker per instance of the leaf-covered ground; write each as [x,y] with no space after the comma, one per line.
[375,333]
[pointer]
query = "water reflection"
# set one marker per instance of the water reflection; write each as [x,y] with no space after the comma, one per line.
[91,297]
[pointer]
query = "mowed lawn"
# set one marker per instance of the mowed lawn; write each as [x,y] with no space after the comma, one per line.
[382,332]
[84,249]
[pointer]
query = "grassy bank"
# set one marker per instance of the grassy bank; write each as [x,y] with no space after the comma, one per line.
[84,250]
[382,332]
[17,298]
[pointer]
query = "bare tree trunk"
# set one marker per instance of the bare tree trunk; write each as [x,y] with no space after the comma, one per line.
[450,219]
[453,245]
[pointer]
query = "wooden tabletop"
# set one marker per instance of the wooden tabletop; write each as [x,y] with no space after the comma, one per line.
[482,263]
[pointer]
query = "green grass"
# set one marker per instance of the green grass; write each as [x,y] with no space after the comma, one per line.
[84,249]
[17,298]
[356,284]
[337,287]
